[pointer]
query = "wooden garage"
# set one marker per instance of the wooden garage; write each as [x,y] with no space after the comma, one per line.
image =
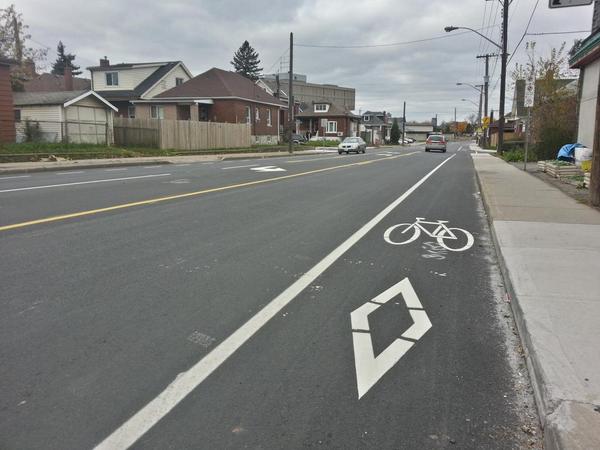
[65,116]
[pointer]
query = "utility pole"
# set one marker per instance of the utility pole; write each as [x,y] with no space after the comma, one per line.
[595,172]
[504,56]
[291,95]
[486,87]
[404,124]
[455,123]
[479,112]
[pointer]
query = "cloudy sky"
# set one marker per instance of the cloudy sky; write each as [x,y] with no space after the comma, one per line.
[205,34]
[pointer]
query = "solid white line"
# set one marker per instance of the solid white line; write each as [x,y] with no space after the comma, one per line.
[17,176]
[115,170]
[239,167]
[136,426]
[70,172]
[84,182]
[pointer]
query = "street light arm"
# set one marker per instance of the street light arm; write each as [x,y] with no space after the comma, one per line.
[449,29]
[478,89]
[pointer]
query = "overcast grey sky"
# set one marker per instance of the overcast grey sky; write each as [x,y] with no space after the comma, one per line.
[205,34]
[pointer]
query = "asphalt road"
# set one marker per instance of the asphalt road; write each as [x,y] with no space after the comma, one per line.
[219,306]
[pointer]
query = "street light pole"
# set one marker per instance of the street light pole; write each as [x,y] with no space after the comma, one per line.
[503,47]
[504,55]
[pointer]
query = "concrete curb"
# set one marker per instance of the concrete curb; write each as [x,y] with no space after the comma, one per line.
[102,164]
[560,431]
[75,166]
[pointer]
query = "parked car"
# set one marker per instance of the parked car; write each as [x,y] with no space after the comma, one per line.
[436,142]
[298,139]
[352,144]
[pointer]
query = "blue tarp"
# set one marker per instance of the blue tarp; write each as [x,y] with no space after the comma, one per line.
[567,152]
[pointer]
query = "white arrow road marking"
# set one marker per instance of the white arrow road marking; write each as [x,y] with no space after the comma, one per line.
[268,169]
[370,368]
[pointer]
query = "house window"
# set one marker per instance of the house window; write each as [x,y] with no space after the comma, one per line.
[248,115]
[256,114]
[157,112]
[17,115]
[268,117]
[367,118]
[332,126]
[178,81]
[112,78]
[321,107]
[131,111]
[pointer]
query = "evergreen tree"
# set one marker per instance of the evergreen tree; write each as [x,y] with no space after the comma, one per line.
[245,62]
[64,60]
[395,132]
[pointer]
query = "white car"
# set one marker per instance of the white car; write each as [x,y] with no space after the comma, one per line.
[352,144]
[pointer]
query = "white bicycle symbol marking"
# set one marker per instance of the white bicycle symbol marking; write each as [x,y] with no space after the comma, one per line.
[444,235]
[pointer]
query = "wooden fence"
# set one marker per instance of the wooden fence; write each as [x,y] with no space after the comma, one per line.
[180,134]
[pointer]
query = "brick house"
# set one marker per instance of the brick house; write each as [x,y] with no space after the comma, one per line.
[7,114]
[326,120]
[123,83]
[219,96]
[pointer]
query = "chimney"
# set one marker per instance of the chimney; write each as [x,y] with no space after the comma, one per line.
[104,62]
[68,78]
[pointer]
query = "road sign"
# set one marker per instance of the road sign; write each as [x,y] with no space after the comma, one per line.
[567,3]
[529,91]
[485,122]
[370,368]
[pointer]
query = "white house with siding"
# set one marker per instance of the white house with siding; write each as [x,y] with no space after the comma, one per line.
[123,83]
[65,116]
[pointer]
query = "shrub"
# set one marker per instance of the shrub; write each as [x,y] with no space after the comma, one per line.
[516,155]
[33,133]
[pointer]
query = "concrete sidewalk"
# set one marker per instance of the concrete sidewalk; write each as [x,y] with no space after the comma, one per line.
[549,249]
[41,166]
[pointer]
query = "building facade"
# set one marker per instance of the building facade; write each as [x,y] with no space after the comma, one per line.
[219,96]
[306,94]
[123,83]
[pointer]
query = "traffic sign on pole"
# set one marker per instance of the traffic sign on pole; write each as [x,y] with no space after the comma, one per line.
[567,3]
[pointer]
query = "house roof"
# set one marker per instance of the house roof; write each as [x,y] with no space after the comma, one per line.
[49,82]
[64,98]
[154,77]
[334,110]
[130,65]
[588,51]
[162,69]
[218,83]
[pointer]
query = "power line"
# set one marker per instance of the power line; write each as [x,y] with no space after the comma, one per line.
[416,41]
[278,60]
[525,32]
[559,32]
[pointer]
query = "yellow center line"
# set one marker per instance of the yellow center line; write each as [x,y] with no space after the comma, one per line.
[185,195]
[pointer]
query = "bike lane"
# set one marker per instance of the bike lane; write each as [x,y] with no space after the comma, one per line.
[394,346]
